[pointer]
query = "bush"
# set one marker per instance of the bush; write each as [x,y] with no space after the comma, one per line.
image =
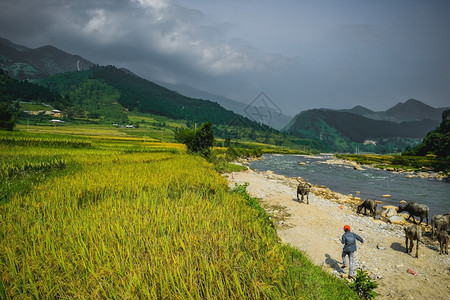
[364,286]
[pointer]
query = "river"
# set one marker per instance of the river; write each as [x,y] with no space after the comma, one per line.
[371,183]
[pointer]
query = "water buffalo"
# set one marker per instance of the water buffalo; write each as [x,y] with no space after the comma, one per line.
[443,241]
[369,204]
[439,222]
[303,189]
[415,209]
[413,232]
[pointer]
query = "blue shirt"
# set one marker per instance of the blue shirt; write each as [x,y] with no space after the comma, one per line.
[349,240]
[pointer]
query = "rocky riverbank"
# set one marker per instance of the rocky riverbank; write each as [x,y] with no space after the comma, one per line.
[426,174]
[317,228]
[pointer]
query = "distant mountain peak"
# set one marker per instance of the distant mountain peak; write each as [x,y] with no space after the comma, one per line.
[410,103]
[26,63]
[414,110]
[414,101]
[51,50]
[361,109]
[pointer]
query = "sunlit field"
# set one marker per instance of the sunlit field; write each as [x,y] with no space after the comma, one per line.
[120,217]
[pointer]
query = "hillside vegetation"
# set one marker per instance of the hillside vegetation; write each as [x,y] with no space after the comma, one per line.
[437,142]
[339,131]
[117,217]
[432,154]
[107,95]
[24,63]
[100,86]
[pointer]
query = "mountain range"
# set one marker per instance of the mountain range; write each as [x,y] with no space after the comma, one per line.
[25,63]
[267,114]
[411,110]
[346,130]
[360,129]
[22,62]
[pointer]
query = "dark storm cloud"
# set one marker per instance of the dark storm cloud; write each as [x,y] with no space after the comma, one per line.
[305,54]
[127,31]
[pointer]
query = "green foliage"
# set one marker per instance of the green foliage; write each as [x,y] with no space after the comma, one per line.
[14,90]
[137,94]
[436,142]
[335,131]
[413,163]
[89,97]
[308,281]
[21,71]
[197,141]
[221,159]
[184,135]
[109,95]
[7,118]
[363,285]
[234,152]
[2,290]
[203,140]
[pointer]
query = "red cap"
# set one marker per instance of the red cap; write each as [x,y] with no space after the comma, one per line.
[346,228]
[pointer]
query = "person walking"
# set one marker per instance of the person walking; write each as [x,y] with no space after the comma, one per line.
[349,240]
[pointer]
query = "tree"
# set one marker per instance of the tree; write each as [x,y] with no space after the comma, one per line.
[7,118]
[203,139]
[197,141]
[227,142]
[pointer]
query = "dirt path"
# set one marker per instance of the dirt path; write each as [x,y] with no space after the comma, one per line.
[317,228]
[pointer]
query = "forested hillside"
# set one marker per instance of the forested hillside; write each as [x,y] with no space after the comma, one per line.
[13,92]
[137,94]
[107,95]
[349,132]
[25,63]
[436,142]
[16,90]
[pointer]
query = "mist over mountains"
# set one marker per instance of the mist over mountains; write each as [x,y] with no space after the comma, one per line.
[270,115]
[346,130]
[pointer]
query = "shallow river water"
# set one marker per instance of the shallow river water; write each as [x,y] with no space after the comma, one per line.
[371,183]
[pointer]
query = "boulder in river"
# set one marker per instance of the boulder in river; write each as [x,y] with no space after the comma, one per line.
[390,206]
[396,219]
[391,212]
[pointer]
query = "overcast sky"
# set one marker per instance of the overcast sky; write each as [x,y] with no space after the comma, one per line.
[302,54]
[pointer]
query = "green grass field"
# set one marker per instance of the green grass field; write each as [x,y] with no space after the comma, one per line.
[109,215]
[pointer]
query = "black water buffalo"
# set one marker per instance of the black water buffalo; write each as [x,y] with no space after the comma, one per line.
[443,239]
[370,205]
[413,232]
[439,222]
[415,209]
[303,189]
